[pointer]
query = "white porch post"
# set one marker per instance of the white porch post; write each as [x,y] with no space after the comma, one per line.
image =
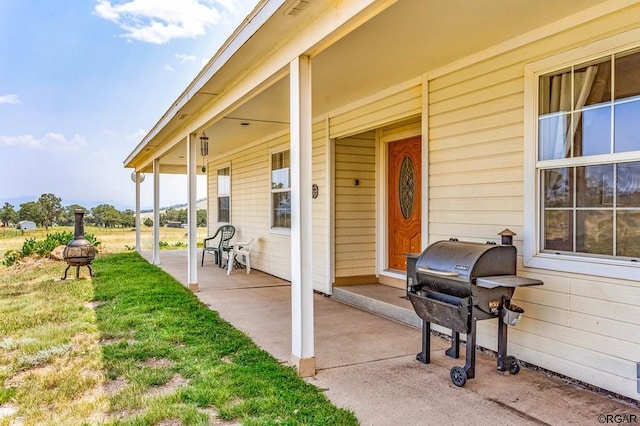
[302,338]
[192,230]
[138,177]
[156,211]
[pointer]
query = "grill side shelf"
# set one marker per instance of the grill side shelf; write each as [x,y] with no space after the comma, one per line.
[506,281]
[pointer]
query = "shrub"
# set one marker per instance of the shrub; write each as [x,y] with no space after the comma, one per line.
[44,247]
[10,257]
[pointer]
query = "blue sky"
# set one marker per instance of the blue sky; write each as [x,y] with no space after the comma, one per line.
[81,82]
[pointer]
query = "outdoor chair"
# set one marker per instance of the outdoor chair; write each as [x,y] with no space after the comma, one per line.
[240,256]
[224,244]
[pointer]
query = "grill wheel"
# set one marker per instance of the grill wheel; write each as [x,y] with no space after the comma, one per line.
[514,364]
[458,376]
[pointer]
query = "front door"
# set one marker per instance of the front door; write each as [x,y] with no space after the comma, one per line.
[404,201]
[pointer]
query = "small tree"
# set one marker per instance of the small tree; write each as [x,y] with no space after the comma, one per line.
[51,208]
[128,218]
[148,222]
[8,214]
[201,216]
[106,215]
[68,214]
[30,211]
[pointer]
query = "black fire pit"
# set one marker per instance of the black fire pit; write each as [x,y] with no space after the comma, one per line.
[79,252]
[455,284]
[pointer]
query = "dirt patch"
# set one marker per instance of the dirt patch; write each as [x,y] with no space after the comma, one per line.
[23,376]
[125,414]
[158,363]
[169,422]
[226,359]
[176,382]
[29,262]
[93,304]
[113,387]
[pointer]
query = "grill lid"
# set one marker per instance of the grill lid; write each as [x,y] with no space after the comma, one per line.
[465,261]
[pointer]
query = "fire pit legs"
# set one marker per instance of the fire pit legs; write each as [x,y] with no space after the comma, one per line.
[77,271]
[65,272]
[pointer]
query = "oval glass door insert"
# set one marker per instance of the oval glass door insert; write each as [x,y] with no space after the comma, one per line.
[407,187]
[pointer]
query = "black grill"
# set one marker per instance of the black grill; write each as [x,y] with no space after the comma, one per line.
[454,284]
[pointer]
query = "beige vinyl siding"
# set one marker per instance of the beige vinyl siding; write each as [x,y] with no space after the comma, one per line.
[250,206]
[320,207]
[385,109]
[402,130]
[355,205]
[581,326]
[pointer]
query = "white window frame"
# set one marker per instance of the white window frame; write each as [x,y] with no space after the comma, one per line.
[220,167]
[275,229]
[533,256]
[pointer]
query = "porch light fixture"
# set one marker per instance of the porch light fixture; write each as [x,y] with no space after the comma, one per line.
[137,177]
[204,148]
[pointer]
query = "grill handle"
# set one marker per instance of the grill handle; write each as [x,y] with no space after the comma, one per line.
[426,270]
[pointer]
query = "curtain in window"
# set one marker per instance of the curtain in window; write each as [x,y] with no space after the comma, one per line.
[560,101]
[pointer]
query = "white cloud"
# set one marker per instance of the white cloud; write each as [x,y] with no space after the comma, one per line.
[168,67]
[53,142]
[159,21]
[10,99]
[185,58]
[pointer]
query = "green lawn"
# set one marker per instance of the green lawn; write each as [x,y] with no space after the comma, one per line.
[132,346]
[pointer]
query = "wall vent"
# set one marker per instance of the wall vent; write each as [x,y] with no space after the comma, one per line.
[296,7]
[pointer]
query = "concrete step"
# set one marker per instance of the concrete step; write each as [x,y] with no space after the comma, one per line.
[379,299]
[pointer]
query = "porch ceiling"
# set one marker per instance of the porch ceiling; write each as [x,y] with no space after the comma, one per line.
[407,39]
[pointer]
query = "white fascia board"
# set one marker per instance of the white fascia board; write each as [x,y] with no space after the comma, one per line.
[240,36]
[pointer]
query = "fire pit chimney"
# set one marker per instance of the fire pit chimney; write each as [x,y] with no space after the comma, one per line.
[79,252]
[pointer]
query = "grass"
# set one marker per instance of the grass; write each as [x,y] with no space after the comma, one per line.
[132,346]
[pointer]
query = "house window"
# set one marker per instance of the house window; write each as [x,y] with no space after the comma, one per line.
[588,159]
[224,192]
[280,190]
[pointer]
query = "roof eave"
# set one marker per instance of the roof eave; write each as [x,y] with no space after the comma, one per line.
[263,11]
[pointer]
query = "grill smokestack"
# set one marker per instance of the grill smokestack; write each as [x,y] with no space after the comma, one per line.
[507,237]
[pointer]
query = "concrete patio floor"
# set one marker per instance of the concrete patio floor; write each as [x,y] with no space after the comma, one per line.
[366,363]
